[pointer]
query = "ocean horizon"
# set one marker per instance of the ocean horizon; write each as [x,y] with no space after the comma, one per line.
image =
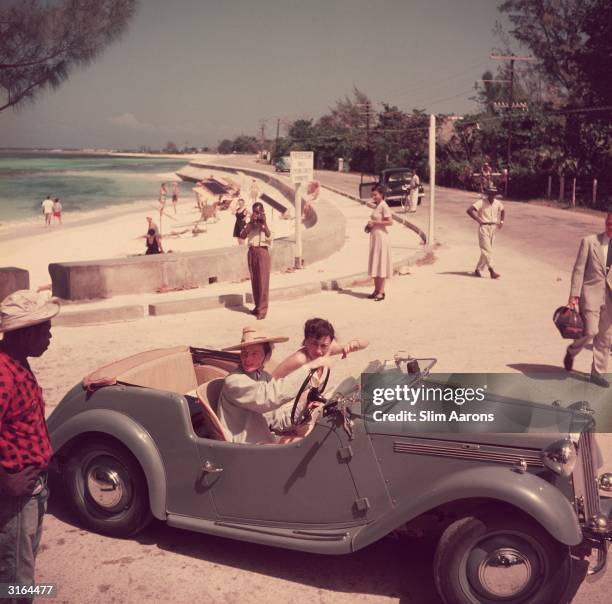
[83,182]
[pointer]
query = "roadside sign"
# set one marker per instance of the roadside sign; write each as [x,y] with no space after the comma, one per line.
[301,166]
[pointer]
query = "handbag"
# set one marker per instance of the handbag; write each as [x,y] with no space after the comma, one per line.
[569,323]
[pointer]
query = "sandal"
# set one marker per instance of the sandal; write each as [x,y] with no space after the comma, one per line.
[379,298]
[373,295]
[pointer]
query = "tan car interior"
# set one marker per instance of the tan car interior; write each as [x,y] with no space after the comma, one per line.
[172,369]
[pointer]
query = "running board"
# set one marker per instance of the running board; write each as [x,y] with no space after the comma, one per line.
[319,541]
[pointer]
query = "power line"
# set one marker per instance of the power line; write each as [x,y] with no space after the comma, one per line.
[428,80]
[477,120]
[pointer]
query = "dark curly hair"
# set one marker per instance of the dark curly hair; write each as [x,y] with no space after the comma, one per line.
[318,328]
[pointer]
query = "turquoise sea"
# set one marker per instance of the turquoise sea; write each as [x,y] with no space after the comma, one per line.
[83,182]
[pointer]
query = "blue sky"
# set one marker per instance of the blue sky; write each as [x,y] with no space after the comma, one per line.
[197,71]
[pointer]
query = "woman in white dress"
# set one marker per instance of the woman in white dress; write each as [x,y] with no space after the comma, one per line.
[379,262]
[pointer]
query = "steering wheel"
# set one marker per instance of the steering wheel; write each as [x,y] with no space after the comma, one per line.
[314,395]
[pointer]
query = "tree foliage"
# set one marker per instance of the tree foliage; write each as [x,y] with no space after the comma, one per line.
[571,40]
[41,42]
[241,144]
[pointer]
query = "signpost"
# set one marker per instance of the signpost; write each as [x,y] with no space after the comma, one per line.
[301,174]
[432,178]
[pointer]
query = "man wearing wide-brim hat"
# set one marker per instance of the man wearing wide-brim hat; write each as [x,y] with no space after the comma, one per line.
[489,213]
[25,448]
[250,401]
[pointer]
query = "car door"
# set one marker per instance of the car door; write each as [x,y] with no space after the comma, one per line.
[305,482]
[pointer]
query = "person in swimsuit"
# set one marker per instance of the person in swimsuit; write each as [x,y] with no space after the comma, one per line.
[174,195]
[240,212]
[153,241]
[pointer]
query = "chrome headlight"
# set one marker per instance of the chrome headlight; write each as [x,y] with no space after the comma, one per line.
[604,482]
[560,457]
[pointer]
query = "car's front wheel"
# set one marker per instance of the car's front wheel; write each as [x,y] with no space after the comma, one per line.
[500,558]
[106,488]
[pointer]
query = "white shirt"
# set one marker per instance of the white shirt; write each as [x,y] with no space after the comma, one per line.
[47,206]
[257,237]
[489,212]
[247,398]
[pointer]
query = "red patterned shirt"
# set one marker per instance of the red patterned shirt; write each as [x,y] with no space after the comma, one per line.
[24,439]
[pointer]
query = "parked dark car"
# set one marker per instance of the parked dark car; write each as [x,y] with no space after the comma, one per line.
[396,182]
[283,164]
[130,445]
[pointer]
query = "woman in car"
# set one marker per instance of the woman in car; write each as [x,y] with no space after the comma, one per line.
[319,341]
[250,395]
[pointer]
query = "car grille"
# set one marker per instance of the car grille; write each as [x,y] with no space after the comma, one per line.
[589,492]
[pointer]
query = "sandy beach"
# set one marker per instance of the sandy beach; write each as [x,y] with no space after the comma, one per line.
[118,231]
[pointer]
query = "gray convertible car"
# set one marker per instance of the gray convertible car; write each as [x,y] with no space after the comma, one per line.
[139,438]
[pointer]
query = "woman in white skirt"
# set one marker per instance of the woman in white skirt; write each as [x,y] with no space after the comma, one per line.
[379,261]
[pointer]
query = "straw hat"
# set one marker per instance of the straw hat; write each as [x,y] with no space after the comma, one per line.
[25,308]
[251,335]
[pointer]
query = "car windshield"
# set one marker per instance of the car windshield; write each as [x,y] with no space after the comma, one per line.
[398,177]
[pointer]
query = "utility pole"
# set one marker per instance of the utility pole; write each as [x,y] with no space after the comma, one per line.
[432,178]
[368,114]
[512,59]
[367,136]
[277,136]
[263,136]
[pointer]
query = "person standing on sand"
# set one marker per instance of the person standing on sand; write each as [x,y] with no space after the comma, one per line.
[174,195]
[240,212]
[47,209]
[25,447]
[199,193]
[163,192]
[259,239]
[57,210]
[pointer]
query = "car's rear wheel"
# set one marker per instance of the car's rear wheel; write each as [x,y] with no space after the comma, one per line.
[106,488]
[495,558]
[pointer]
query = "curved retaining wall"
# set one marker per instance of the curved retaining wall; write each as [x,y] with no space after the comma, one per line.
[106,278]
[268,178]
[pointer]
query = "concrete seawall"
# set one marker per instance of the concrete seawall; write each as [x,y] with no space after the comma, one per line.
[266,177]
[106,278]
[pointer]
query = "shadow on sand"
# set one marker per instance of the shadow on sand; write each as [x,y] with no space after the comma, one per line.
[539,371]
[396,568]
[399,568]
[349,292]
[461,274]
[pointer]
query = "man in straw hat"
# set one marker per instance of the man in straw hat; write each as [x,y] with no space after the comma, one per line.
[489,213]
[250,396]
[25,449]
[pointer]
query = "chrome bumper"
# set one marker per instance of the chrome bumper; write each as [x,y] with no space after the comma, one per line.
[598,535]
